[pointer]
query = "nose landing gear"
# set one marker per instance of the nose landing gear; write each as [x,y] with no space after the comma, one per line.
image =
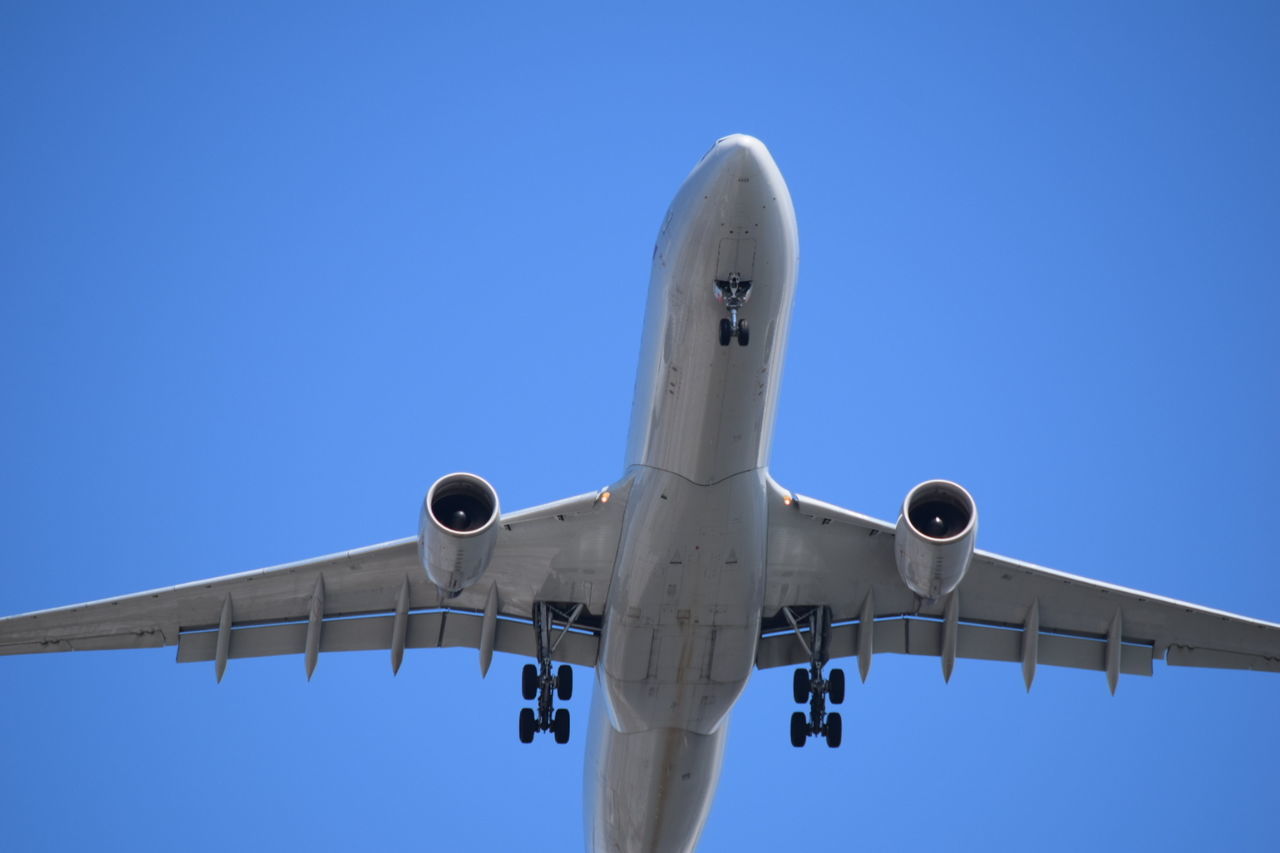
[733,292]
[538,681]
[730,328]
[809,685]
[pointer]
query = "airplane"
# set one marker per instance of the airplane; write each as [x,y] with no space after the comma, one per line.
[687,573]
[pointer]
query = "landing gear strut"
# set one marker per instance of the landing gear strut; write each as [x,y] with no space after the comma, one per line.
[538,681]
[733,292]
[809,685]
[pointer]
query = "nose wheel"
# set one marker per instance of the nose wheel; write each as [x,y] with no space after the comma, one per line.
[539,681]
[809,685]
[733,292]
[730,329]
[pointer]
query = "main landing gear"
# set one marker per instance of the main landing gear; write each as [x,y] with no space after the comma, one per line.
[538,682]
[808,685]
[733,292]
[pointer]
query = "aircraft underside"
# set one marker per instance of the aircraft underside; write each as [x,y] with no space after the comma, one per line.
[692,569]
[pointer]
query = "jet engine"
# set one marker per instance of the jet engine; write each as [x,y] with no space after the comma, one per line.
[935,537]
[457,530]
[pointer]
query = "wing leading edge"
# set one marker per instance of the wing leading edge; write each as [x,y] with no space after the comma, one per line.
[820,555]
[369,598]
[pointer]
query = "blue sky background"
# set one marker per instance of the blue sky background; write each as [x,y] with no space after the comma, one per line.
[270,269]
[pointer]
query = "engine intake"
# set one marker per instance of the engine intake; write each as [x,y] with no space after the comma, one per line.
[935,537]
[457,530]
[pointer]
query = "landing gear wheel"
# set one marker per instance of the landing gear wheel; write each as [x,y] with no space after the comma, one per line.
[527,725]
[560,726]
[799,729]
[529,682]
[835,729]
[726,331]
[564,683]
[800,686]
[835,686]
[744,334]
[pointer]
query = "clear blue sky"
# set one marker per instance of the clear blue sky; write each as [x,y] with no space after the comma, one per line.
[269,269]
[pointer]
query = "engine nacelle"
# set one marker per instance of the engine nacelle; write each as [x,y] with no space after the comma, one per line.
[935,537]
[457,530]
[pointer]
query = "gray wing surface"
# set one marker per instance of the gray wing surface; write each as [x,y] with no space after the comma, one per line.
[822,555]
[562,552]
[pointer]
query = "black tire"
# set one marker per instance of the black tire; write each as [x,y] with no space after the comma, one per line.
[564,683]
[560,725]
[529,682]
[744,334]
[835,729]
[799,729]
[726,331]
[800,686]
[527,725]
[835,687]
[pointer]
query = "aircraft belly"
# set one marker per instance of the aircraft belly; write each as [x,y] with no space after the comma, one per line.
[649,790]
[683,614]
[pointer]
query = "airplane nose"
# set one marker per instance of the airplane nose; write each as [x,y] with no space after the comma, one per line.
[739,141]
[737,182]
[740,153]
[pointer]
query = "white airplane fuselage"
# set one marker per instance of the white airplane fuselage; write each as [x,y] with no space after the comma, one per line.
[682,619]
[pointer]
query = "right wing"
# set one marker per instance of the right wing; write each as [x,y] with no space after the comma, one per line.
[559,552]
[822,555]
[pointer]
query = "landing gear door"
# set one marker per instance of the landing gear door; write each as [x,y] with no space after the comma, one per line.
[737,257]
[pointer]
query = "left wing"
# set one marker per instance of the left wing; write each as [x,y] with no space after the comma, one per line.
[370,598]
[822,555]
